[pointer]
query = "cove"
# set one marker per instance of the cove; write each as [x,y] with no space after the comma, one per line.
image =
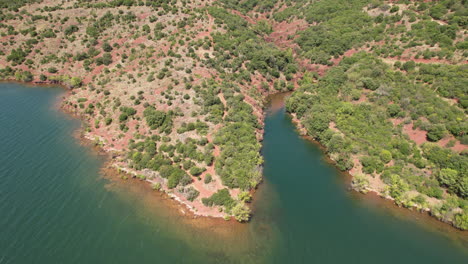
[57,207]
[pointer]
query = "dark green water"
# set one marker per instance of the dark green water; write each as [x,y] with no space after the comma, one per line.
[56,207]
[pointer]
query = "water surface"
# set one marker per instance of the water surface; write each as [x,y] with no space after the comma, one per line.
[56,206]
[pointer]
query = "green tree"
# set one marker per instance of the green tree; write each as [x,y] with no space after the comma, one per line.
[244,197]
[75,82]
[436,132]
[195,171]
[409,66]
[208,178]
[385,156]
[241,212]
[397,187]
[92,31]
[463,187]
[448,177]
[461,221]
[360,183]
[106,47]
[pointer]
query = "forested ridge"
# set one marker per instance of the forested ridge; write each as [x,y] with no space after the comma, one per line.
[175,89]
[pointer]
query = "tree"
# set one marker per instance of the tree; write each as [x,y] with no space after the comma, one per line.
[463,187]
[156,186]
[385,156]
[448,177]
[157,119]
[397,186]
[18,56]
[28,76]
[106,59]
[436,132]
[70,30]
[221,198]
[195,171]
[461,221]
[150,147]
[191,194]
[108,121]
[75,82]
[360,183]
[393,110]
[92,31]
[336,143]
[245,197]
[241,212]
[409,65]
[106,47]
[317,124]
[208,178]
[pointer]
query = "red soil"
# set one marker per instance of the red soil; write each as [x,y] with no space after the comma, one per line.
[318,68]
[208,27]
[282,30]
[247,18]
[396,121]
[203,72]
[417,135]
[143,16]
[458,147]
[361,99]
[347,53]
[140,40]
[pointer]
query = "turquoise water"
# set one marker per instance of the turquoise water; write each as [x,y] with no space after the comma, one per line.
[56,206]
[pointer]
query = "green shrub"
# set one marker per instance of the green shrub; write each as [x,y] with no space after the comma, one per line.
[220,198]
[208,178]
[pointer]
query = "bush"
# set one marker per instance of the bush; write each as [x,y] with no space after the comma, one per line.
[461,221]
[220,198]
[70,30]
[244,197]
[436,132]
[397,187]
[158,119]
[385,156]
[409,65]
[18,56]
[106,47]
[241,212]
[208,178]
[448,177]
[108,121]
[75,82]
[191,194]
[106,59]
[196,171]
[360,183]
[175,177]
[156,186]
[394,9]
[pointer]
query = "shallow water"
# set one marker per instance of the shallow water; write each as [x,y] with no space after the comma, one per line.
[56,206]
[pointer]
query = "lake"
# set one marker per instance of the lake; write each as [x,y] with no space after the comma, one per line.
[57,206]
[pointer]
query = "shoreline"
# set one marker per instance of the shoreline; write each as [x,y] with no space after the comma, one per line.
[275,101]
[92,141]
[163,206]
[348,177]
[372,196]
